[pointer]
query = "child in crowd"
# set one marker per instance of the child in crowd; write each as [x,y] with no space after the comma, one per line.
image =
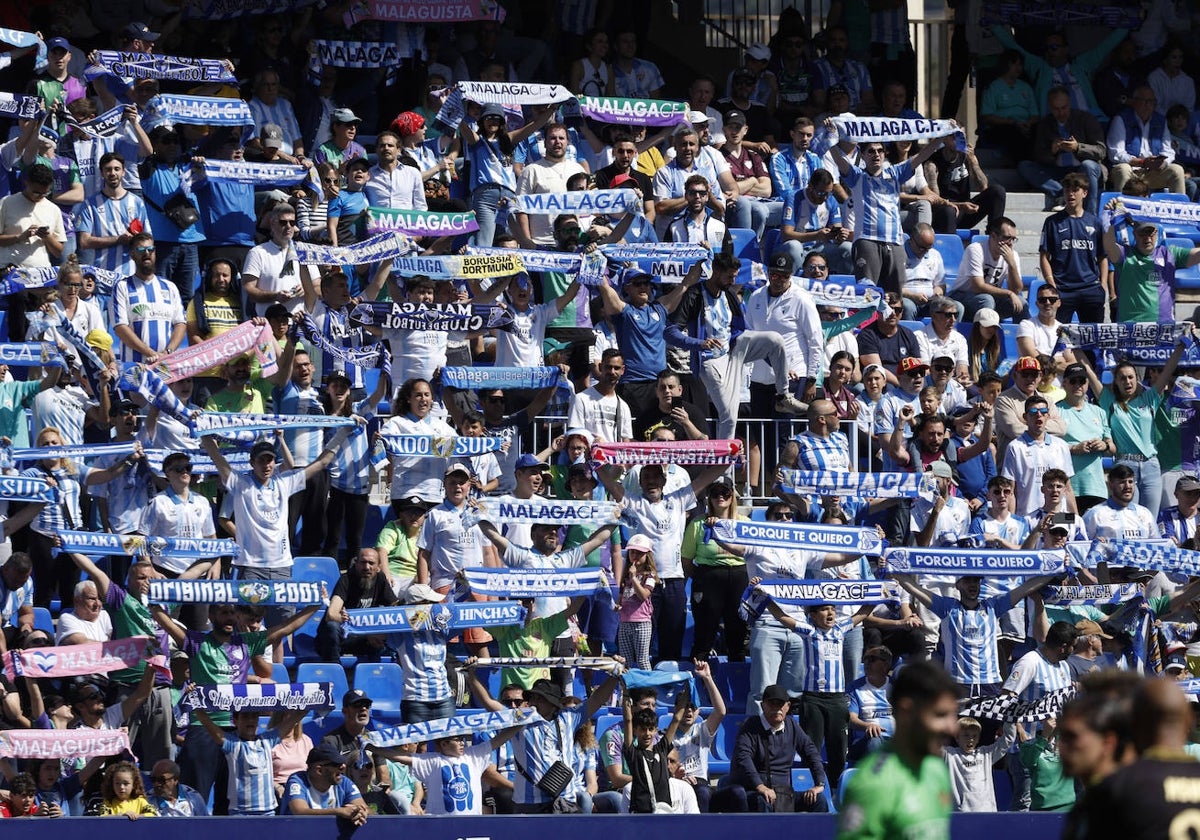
[637,612]
[248,753]
[124,792]
[348,210]
[645,755]
[405,790]
[971,767]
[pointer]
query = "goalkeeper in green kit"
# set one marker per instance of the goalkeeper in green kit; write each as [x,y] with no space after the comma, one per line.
[902,791]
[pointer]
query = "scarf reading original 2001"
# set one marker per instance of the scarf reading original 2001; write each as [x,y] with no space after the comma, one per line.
[612,109]
[265,592]
[889,129]
[135,65]
[83,742]
[423,11]
[688,452]
[533,583]
[800,535]
[971,562]
[261,697]
[479,378]
[421,222]
[588,202]
[191,360]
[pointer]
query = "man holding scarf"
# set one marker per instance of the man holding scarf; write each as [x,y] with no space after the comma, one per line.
[146,312]
[1145,285]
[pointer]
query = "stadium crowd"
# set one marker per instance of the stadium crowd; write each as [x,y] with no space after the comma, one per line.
[230,320]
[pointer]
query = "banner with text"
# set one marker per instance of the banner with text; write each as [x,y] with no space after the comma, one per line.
[259,697]
[253,592]
[800,535]
[533,583]
[967,562]
[439,617]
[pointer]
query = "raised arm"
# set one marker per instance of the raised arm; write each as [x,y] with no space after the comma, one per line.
[494,536]
[224,471]
[704,672]
[215,732]
[178,634]
[328,453]
[910,585]
[286,628]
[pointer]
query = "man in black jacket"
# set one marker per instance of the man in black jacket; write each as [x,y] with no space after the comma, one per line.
[710,323]
[761,772]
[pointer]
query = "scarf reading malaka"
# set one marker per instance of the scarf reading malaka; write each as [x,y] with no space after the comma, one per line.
[78,660]
[423,11]
[443,317]
[83,742]
[858,129]
[800,535]
[420,222]
[141,545]
[624,111]
[380,247]
[136,65]
[469,724]
[363,357]
[438,617]
[196,358]
[964,562]
[684,452]
[259,697]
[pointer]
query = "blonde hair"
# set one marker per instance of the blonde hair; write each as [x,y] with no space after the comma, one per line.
[63,463]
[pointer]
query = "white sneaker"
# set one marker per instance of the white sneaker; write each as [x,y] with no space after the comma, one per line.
[787,404]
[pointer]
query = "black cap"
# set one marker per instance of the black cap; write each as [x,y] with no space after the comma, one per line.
[337,374]
[842,89]
[262,447]
[550,692]
[325,754]
[782,261]
[411,502]
[276,310]
[735,117]
[121,406]
[140,31]
[355,696]
[1074,369]
[776,692]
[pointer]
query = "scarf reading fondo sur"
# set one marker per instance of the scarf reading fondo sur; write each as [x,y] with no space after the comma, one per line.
[259,697]
[683,452]
[533,583]
[213,352]
[800,535]
[974,563]
[436,617]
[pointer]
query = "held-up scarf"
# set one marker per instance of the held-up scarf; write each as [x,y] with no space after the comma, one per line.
[590,663]
[1010,708]
[481,378]
[471,723]
[219,422]
[800,535]
[56,744]
[175,108]
[1089,596]
[31,354]
[74,451]
[443,617]
[382,246]
[865,485]
[811,593]
[108,124]
[1089,555]
[513,93]
[100,542]
[20,106]
[39,278]
[363,357]
[559,261]
[423,11]
[429,446]
[364,55]
[511,510]
[259,697]
[443,317]
[973,562]
[135,65]
[460,268]
[75,660]
[191,360]
[24,488]
[890,129]
[264,592]
[622,111]
[249,172]
[420,222]
[687,452]
[150,387]
[590,202]
[533,583]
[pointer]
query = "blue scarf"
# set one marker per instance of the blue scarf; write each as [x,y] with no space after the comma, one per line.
[253,592]
[258,697]
[429,446]
[814,593]
[445,617]
[586,202]
[1089,596]
[23,488]
[20,106]
[486,378]
[31,354]
[862,485]
[800,535]
[471,723]
[442,317]
[382,246]
[219,422]
[971,562]
[175,109]
[533,583]
[363,357]
[365,55]
[135,65]
[96,542]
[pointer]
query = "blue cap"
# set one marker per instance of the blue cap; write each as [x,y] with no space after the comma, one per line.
[526,462]
[492,110]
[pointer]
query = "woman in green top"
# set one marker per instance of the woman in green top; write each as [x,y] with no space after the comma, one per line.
[1088,436]
[718,579]
[1131,407]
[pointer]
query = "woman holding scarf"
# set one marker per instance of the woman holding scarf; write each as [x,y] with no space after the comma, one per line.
[416,476]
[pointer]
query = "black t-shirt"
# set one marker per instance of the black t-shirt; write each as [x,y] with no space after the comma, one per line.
[654,418]
[889,349]
[758,122]
[1148,799]
[604,178]
[378,594]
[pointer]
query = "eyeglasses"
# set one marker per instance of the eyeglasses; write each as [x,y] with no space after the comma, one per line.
[187,469]
[1040,410]
[782,515]
[818,267]
[122,412]
[71,285]
[1007,239]
[721,493]
[1047,300]
[897,309]
[144,249]
[944,368]
[286,222]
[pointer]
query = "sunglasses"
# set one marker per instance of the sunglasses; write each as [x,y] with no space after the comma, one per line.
[144,249]
[944,368]
[1077,380]
[187,469]
[1047,300]
[953,316]
[1039,410]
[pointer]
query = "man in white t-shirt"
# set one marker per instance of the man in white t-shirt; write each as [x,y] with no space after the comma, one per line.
[989,276]
[1038,336]
[89,622]
[942,339]
[548,174]
[271,273]
[925,272]
[599,409]
[1029,456]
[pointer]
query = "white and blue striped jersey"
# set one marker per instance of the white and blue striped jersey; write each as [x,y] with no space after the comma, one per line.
[422,655]
[538,746]
[522,344]
[350,470]
[969,638]
[127,494]
[1034,676]
[251,780]
[853,74]
[281,114]
[151,308]
[823,656]
[872,705]
[877,201]
[63,409]
[334,325]
[305,444]
[104,216]
[64,513]
[489,165]
[1013,529]
[824,453]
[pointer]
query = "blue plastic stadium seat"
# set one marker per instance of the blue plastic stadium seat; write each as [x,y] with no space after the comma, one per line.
[951,249]
[802,780]
[1187,278]
[43,621]
[330,672]
[772,239]
[316,569]
[847,774]
[383,682]
[746,248]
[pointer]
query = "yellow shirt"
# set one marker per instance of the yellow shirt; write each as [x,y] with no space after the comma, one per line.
[137,806]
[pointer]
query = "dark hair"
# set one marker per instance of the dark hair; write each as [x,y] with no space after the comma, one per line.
[623,137]
[998,222]
[1055,474]
[989,377]
[999,482]
[139,238]
[109,157]
[22,784]
[637,695]
[820,178]
[725,262]
[39,174]
[842,356]
[645,718]
[1036,399]
[611,353]
[1061,633]
[470,417]
[1078,180]
[358,163]
[1120,472]
[694,180]
[406,391]
[924,420]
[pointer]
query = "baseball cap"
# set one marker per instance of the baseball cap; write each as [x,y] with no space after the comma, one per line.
[1073,370]
[1188,483]
[271,136]
[938,356]
[59,43]
[961,411]
[355,696]
[325,754]
[639,542]
[344,115]
[1028,363]
[121,406]
[775,692]
[140,31]
[909,364]
[457,467]
[588,437]
[262,447]
[872,367]
[411,502]
[548,691]
[697,118]
[622,179]
[1141,226]
[781,261]
[735,117]
[337,374]
[526,462]
[941,469]
[554,345]
[758,52]
[492,110]
[99,340]
[424,592]
[1087,627]
[987,318]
